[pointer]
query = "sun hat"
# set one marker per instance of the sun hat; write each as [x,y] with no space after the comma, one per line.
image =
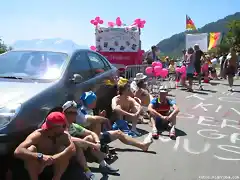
[54,119]
[140,76]
[88,97]
[69,104]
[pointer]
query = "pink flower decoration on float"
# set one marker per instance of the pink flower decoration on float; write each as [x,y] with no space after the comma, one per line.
[111,24]
[96,21]
[140,23]
[118,21]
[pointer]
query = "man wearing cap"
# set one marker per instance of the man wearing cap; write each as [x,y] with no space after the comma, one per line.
[86,116]
[126,107]
[163,111]
[48,146]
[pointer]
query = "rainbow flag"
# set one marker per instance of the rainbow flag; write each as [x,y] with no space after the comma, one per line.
[190,24]
[214,39]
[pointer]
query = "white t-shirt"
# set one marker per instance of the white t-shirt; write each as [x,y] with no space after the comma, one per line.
[82,118]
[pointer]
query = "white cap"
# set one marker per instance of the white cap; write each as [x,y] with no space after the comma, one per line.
[163,89]
[69,104]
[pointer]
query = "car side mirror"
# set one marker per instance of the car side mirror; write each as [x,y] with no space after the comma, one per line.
[77,78]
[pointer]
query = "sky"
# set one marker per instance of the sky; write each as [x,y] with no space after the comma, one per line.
[70,19]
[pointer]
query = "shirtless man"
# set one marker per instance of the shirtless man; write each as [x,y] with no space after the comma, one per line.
[48,146]
[231,67]
[126,107]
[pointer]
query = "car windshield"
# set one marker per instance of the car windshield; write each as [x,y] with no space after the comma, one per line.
[32,64]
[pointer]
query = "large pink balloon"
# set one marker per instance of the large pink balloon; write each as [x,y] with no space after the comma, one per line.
[164,72]
[159,64]
[149,70]
[178,69]
[92,21]
[100,21]
[93,48]
[154,64]
[183,69]
[157,73]
[157,69]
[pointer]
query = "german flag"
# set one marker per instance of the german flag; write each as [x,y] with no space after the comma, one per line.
[189,24]
[214,39]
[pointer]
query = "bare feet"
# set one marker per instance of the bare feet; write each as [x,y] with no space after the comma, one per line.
[147,142]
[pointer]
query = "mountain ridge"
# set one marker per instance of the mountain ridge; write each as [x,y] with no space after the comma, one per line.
[57,44]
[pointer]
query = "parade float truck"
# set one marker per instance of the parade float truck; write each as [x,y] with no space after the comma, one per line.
[119,43]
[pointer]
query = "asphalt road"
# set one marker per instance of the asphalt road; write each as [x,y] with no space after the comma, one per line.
[208,146]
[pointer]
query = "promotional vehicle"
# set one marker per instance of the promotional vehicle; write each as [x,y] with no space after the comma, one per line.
[118,42]
[34,83]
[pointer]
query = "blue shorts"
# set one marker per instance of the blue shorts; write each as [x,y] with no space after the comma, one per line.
[105,138]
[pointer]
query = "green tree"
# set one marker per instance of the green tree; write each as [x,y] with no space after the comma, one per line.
[3,47]
[232,38]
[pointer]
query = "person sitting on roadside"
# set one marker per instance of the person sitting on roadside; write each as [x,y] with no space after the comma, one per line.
[86,116]
[91,140]
[109,136]
[141,93]
[163,111]
[85,141]
[50,146]
[126,107]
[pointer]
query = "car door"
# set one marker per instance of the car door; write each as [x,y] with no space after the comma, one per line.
[102,71]
[79,65]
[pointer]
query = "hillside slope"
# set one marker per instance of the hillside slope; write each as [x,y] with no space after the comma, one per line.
[174,45]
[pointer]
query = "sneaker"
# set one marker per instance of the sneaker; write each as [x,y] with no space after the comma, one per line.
[155,134]
[107,169]
[136,132]
[201,87]
[172,133]
[92,177]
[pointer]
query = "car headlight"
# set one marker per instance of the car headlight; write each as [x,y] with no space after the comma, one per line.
[8,112]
